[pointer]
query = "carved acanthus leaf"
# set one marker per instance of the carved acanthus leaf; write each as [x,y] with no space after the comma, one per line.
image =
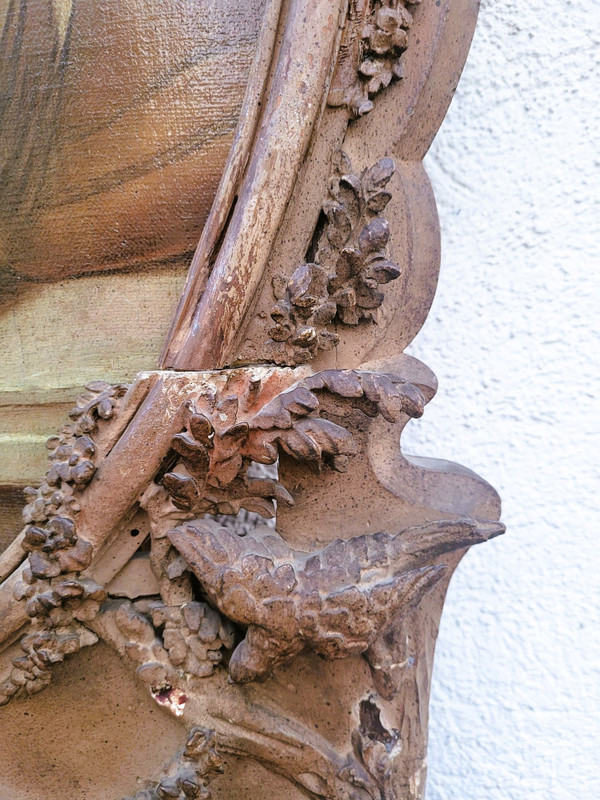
[222,441]
[336,601]
[350,262]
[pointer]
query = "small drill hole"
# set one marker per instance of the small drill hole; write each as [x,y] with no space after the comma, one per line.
[135,532]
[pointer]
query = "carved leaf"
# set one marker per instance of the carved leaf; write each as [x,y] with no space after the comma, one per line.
[378,176]
[191,450]
[311,438]
[201,429]
[383,271]
[374,236]
[340,225]
[182,489]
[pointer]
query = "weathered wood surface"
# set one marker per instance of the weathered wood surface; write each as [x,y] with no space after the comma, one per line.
[320,256]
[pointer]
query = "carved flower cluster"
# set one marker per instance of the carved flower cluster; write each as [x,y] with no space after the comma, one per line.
[192,770]
[178,640]
[42,649]
[54,548]
[371,56]
[385,38]
[341,285]
[55,597]
[56,607]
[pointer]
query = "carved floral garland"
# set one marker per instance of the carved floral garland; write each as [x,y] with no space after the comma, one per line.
[57,599]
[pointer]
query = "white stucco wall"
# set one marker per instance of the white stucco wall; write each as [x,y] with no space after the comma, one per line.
[513,338]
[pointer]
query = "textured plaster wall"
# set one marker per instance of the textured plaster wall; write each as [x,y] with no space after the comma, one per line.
[513,338]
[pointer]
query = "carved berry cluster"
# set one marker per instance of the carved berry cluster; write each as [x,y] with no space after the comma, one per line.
[194,636]
[56,597]
[172,642]
[56,549]
[58,602]
[371,57]
[42,649]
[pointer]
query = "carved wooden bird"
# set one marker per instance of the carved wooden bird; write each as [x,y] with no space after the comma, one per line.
[336,601]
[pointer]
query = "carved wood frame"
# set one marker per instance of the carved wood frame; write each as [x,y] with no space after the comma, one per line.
[283,348]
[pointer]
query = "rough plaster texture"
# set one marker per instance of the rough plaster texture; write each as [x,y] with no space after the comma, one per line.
[513,338]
